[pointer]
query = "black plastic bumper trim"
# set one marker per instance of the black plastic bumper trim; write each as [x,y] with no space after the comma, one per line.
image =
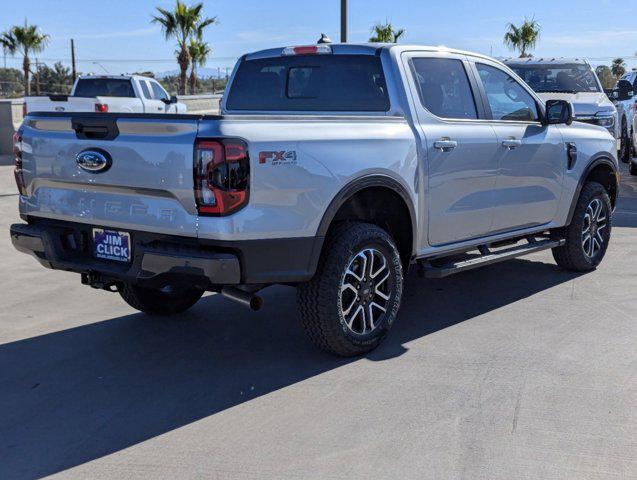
[228,262]
[149,265]
[222,268]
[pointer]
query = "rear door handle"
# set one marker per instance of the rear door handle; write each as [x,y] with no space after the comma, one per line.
[511,143]
[445,145]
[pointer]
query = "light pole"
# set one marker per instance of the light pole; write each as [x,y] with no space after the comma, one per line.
[343,21]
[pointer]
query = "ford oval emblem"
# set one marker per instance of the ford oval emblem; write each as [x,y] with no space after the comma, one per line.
[94,160]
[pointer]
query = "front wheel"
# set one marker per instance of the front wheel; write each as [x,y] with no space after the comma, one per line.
[169,300]
[352,301]
[588,235]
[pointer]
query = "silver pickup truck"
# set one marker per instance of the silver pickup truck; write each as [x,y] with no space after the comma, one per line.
[333,168]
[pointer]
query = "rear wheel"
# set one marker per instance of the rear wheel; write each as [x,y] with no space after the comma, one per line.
[169,300]
[352,301]
[588,234]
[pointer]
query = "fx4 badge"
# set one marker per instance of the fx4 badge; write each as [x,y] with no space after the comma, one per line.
[278,158]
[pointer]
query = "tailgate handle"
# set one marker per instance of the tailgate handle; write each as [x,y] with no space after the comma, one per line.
[91,131]
[95,129]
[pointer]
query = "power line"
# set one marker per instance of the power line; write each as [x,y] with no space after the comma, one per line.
[123,60]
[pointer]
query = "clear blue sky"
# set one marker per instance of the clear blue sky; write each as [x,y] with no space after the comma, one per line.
[118,33]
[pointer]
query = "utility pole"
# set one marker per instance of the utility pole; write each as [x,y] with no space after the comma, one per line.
[37,77]
[343,21]
[73,60]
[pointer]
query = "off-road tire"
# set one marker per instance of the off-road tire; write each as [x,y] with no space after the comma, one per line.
[571,255]
[158,302]
[320,300]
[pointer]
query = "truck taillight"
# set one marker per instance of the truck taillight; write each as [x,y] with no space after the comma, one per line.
[222,176]
[101,107]
[17,155]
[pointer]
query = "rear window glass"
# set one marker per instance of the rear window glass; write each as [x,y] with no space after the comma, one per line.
[336,83]
[104,87]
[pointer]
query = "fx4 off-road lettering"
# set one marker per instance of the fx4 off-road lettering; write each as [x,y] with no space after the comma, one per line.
[278,158]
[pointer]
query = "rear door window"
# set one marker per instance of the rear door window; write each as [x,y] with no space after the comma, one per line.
[444,88]
[104,87]
[338,83]
[145,90]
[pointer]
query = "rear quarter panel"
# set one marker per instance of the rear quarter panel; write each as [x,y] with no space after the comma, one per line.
[123,104]
[289,198]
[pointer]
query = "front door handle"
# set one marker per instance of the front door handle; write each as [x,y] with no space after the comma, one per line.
[445,144]
[511,143]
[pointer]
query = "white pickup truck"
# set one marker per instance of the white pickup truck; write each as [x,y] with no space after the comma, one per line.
[109,93]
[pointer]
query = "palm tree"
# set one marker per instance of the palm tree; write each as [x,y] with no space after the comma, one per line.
[523,38]
[183,23]
[24,40]
[618,67]
[199,51]
[385,33]
[7,43]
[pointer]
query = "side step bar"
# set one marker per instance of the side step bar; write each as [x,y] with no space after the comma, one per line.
[488,258]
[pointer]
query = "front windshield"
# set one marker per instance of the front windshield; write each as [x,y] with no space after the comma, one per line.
[564,78]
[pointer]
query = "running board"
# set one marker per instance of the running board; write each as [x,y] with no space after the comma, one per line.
[488,258]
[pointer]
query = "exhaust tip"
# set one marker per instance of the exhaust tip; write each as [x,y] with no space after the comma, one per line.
[250,300]
[256,302]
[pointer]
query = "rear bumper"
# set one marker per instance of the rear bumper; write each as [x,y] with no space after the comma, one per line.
[159,259]
[62,248]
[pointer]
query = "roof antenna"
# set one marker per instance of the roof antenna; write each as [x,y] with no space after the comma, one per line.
[324,39]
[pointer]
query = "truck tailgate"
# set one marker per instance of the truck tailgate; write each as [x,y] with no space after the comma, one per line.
[60,103]
[148,184]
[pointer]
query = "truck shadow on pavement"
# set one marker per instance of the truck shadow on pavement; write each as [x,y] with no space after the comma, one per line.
[77,395]
[626,209]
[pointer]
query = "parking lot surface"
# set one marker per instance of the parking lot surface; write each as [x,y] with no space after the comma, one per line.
[515,371]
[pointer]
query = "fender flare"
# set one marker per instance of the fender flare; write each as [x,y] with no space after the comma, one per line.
[601,160]
[361,183]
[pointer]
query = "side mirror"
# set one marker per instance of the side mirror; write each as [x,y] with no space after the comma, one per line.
[624,90]
[173,99]
[558,112]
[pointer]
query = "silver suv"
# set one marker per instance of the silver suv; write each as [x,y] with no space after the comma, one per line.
[333,168]
[573,80]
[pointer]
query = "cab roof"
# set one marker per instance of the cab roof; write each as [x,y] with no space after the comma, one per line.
[544,61]
[364,49]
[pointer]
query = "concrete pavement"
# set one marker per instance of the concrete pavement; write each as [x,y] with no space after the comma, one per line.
[516,371]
